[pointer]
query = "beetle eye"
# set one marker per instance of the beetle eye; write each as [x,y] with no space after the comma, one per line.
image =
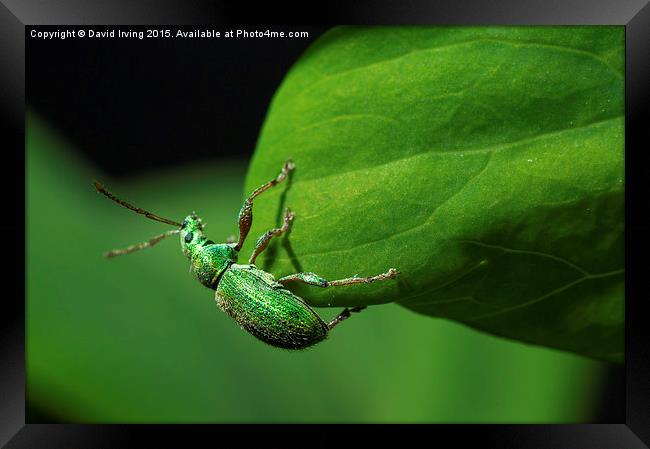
[188,237]
[184,225]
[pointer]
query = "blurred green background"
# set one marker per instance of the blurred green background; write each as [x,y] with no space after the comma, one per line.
[137,339]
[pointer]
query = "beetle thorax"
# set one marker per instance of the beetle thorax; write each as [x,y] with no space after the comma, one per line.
[208,260]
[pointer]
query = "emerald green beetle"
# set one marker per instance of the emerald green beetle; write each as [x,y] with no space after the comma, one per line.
[258,302]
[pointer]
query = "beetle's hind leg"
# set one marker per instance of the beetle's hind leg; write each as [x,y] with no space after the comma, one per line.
[343,316]
[264,240]
[314,279]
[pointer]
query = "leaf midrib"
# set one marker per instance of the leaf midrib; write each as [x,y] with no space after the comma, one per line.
[489,149]
[515,44]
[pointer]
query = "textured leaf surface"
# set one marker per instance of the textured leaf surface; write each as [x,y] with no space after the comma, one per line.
[486,164]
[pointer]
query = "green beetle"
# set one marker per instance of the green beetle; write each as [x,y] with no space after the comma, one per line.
[258,302]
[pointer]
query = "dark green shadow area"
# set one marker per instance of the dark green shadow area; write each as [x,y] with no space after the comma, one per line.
[137,339]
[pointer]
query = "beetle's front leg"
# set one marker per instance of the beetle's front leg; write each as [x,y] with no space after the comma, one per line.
[314,279]
[246,212]
[264,240]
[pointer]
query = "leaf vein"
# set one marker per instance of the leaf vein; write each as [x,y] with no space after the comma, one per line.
[448,301]
[533,253]
[547,295]
[443,285]
[489,149]
[417,226]
[337,118]
[515,44]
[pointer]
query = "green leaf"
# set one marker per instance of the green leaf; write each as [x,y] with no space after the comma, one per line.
[486,164]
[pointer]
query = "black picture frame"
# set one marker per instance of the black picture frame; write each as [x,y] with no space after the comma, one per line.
[634,15]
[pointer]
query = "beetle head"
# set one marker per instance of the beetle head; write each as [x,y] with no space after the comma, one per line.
[191,231]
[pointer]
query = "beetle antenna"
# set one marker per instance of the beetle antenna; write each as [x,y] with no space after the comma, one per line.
[101,189]
[139,246]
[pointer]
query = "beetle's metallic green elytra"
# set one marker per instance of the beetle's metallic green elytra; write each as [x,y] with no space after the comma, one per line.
[258,302]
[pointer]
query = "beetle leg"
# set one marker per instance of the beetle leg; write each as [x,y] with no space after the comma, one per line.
[246,212]
[343,316]
[306,278]
[314,279]
[265,238]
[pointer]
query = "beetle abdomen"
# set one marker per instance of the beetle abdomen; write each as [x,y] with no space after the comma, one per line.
[268,311]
